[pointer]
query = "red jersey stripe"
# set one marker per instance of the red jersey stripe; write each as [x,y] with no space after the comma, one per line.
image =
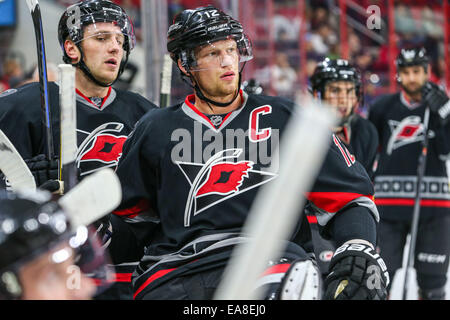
[279,268]
[312,219]
[132,212]
[333,201]
[122,277]
[410,202]
[155,276]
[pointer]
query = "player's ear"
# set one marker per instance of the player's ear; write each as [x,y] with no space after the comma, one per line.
[315,94]
[72,51]
[182,68]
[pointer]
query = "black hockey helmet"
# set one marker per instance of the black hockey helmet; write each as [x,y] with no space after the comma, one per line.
[30,225]
[204,25]
[83,13]
[252,86]
[412,57]
[330,70]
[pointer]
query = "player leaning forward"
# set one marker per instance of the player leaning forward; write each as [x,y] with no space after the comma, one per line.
[195,194]
[96,37]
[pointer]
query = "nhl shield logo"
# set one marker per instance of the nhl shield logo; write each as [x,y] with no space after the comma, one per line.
[218,180]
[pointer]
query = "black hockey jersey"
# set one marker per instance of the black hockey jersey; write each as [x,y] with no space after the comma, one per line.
[101,130]
[401,132]
[196,180]
[361,138]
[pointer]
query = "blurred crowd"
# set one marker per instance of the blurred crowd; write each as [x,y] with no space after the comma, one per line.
[278,64]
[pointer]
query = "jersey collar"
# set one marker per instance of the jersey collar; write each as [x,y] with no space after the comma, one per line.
[107,100]
[191,110]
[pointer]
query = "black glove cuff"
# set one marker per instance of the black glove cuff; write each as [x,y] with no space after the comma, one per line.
[360,250]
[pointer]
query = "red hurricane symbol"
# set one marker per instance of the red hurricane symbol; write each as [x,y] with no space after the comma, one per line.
[106,148]
[408,131]
[225,178]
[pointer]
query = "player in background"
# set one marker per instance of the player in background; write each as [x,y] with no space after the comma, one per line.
[37,256]
[190,174]
[399,119]
[96,37]
[252,86]
[338,83]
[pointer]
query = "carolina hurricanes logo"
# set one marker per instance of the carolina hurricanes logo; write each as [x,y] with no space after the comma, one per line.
[218,180]
[225,178]
[408,131]
[105,148]
[101,148]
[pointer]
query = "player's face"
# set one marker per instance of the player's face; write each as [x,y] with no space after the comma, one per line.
[341,95]
[412,79]
[103,50]
[53,276]
[217,70]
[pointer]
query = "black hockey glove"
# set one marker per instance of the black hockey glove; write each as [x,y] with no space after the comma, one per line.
[437,100]
[45,172]
[357,273]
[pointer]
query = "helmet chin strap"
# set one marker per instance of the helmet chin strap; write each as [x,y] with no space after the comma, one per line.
[200,94]
[88,73]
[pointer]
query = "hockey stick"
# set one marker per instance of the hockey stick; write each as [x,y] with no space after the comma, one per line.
[97,195]
[302,152]
[68,127]
[13,166]
[35,11]
[422,162]
[166,82]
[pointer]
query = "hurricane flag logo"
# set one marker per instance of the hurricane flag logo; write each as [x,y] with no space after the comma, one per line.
[218,180]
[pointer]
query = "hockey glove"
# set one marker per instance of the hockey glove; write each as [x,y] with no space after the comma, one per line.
[437,100]
[45,172]
[357,273]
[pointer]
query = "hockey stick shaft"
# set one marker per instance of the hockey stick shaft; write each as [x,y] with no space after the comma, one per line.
[277,207]
[13,166]
[35,11]
[422,162]
[166,82]
[68,127]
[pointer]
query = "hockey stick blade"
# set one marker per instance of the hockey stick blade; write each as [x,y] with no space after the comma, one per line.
[94,197]
[13,166]
[301,154]
[68,127]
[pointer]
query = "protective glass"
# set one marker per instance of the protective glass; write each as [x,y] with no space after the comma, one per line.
[107,15]
[219,53]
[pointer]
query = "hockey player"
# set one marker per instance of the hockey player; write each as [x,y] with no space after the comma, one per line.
[96,37]
[190,174]
[98,45]
[339,84]
[399,119]
[37,261]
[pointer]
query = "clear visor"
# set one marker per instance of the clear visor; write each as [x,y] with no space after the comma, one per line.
[105,37]
[104,22]
[219,54]
[74,269]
